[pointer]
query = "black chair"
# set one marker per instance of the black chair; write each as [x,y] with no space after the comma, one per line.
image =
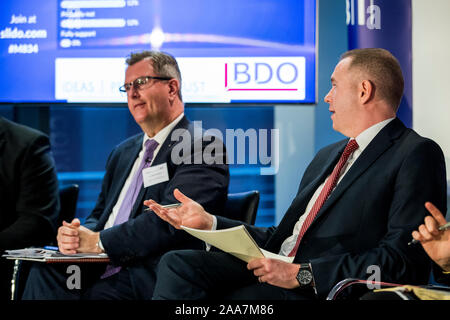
[353,289]
[68,197]
[242,206]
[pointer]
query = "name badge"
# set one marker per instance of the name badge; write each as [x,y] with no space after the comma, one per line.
[155,174]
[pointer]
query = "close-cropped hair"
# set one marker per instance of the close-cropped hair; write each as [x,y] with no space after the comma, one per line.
[382,69]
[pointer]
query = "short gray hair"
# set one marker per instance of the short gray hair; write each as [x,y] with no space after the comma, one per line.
[163,64]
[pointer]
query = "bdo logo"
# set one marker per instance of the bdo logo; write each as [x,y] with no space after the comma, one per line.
[265,73]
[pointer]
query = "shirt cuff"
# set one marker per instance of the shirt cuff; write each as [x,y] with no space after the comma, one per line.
[100,245]
[313,280]
[213,228]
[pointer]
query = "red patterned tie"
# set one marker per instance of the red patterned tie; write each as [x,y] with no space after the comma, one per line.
[325,193]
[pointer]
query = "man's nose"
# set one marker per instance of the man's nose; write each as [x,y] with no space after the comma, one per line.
[134,92]
[327,98]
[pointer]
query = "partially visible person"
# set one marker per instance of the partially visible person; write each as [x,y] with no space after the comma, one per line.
[436,243]
[29,202]
[164,156]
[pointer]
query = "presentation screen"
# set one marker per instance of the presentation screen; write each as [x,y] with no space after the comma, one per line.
[229,51]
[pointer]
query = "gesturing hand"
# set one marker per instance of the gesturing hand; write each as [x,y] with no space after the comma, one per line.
[435,243]
[190,214]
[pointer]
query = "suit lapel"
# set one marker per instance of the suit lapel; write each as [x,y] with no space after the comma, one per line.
[374,150]
[162,156]
[125,163]
[168,144]
[298,206]
[307,192]
[380,144]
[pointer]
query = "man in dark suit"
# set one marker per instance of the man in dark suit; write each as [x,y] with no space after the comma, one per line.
[29,201]
[149,165]
[357,204]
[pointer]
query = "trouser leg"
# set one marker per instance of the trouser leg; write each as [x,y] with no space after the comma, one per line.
[197,274]
[60,281]
[264,291]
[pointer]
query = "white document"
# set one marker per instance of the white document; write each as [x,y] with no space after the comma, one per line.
[43,255]
[155,174]
[236,241]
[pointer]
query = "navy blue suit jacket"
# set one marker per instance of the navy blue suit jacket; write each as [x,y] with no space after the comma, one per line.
[140,242]
[369,217]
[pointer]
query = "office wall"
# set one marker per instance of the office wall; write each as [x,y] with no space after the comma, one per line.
[306,129]
[296,128]
[333,41]
[431,74]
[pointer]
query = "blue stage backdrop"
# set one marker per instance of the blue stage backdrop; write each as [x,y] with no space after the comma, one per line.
[385,24]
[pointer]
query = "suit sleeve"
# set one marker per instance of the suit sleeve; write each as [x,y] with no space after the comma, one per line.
[439,276]
[37,204]
[421,178]
[148,235]
[259,234]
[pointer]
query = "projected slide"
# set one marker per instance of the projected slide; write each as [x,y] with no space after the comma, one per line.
[229,51]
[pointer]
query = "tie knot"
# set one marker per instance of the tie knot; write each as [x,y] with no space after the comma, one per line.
[351,146]
[150,145]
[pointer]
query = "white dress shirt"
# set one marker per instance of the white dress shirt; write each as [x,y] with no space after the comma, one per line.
[160,137]
[363,140]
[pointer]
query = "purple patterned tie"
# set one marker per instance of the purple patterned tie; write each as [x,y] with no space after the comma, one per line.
[131,195]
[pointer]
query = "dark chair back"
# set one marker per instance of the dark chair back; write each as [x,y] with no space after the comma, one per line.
[242,206]
[68,197]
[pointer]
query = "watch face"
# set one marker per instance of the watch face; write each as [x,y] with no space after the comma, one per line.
[304,277]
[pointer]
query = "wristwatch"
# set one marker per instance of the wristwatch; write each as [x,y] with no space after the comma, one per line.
[305,276]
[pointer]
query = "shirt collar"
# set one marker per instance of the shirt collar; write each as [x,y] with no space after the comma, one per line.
[365,137]
[162,135]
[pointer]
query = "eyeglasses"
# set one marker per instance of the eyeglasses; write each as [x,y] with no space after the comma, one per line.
[139,82]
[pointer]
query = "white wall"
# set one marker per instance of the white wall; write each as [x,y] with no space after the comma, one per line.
[431,72]
[296,125]
[306,129]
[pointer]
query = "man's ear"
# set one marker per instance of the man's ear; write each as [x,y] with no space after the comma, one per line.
[174,87]
[366,91]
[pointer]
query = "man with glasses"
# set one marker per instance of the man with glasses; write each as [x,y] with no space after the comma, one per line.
[145,166]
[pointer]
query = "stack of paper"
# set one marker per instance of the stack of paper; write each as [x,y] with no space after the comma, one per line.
[51,256]
[236,241]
